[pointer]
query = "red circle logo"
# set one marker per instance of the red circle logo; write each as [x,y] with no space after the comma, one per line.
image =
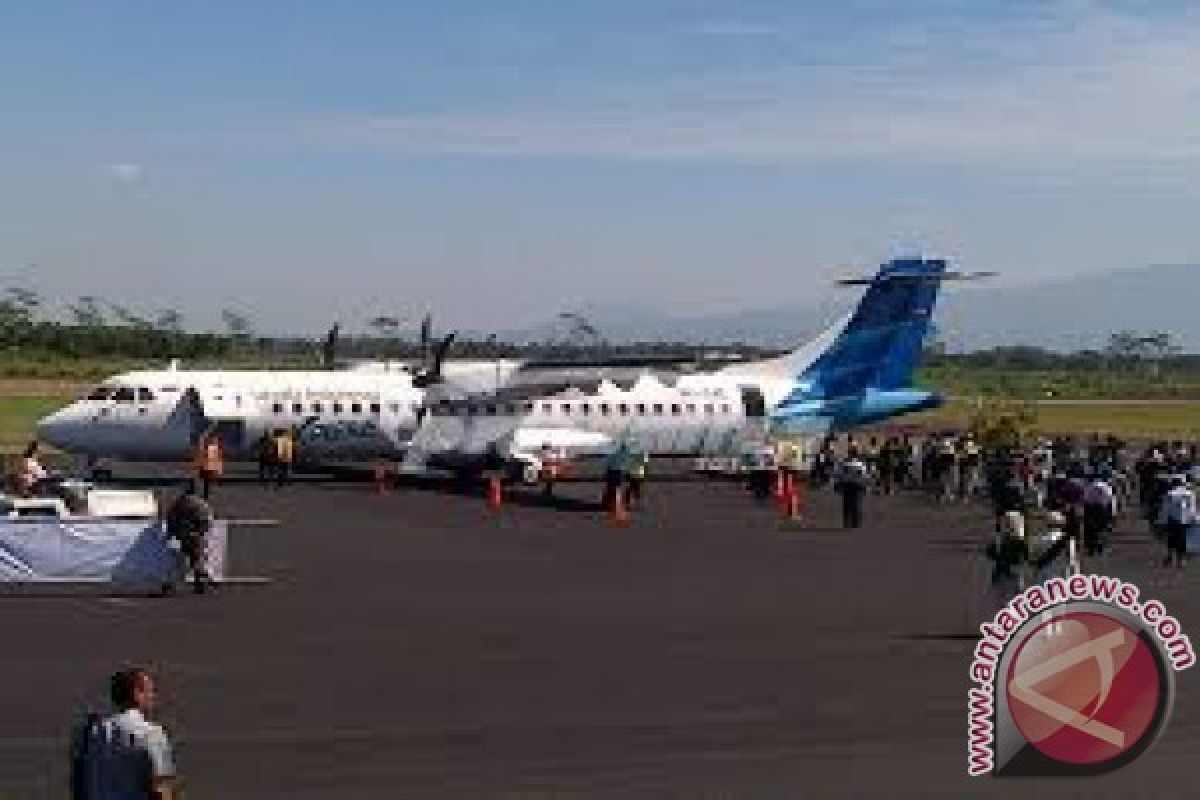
[1084,688]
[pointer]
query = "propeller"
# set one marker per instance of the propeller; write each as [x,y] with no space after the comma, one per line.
[433,357]
[329,346]
[933,278]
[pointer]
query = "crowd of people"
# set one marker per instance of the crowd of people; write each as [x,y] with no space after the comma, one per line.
[1055,503]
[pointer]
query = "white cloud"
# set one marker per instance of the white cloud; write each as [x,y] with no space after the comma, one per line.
[125,172]
[1091,88]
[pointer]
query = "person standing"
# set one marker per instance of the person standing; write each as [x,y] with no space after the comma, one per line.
[210,463]
[266,458]
[1178,513]
[852,483]
[123,755]
[30,472]
[284,451]
[1009,553]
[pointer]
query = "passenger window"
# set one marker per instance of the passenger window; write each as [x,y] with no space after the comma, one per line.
[528,408]
[395,408]
[376,408]
[144,395]
[691,408]
[641,408]
[658,408]
[297,408]
[623,409]
[584,408]
[491,411]
[470,411]
[337,408]
[356,408]
[277,408]
[604,409]
[547,408]
[511,410]
[317,408]
[725,408]
[708,408]
[566,408]
[675,409]
[124,395]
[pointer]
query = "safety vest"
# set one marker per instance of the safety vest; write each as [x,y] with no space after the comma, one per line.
[210,458]
[284,449]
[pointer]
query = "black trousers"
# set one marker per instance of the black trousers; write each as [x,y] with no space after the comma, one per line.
[1177,540]
[852,502]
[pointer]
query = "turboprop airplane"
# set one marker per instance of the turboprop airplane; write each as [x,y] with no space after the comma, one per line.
[857,372]
[469,416]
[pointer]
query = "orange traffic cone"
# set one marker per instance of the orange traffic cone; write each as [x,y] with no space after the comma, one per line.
[495,493]
[795,500]
[619,514]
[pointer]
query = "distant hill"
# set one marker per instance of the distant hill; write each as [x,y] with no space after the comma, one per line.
[1063,314]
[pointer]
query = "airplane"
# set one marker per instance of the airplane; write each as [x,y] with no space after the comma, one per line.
[476,415]
[857,372]
[339,414]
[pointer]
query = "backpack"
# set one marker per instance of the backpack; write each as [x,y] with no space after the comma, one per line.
[83,742]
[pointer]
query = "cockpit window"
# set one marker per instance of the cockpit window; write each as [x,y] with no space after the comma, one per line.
[125,394]
[100,393]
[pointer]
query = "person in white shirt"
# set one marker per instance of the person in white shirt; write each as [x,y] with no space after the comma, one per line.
[1176,515]
[1099,513]
[124,756]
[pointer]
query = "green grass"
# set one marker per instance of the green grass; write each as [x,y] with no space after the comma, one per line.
[1122,419]
[19,416]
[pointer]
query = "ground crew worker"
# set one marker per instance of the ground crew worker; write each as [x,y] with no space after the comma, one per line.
[284,452]
[210,463]
[123,754]
[1178,513]
[852,483]
[188,521]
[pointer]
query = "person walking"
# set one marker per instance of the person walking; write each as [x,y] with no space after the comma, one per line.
[188,520]
[123,755]
[1009,553]
[1178,513]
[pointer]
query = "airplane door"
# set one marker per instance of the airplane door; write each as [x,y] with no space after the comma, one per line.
[754,405]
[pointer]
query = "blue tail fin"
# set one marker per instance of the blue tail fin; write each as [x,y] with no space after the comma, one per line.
[880,345]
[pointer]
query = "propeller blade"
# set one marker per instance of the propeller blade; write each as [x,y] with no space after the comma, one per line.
[440,356]
[426,329]
[329,348]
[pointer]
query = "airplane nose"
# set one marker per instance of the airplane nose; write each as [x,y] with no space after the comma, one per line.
[57,429]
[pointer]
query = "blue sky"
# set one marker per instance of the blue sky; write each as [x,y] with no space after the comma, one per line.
[499,162]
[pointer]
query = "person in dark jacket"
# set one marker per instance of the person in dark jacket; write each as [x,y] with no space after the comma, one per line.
[189,520]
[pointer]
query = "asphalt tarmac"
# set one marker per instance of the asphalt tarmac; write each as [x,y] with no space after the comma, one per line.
[417,644]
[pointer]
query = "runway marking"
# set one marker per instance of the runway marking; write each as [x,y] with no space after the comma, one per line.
[253,522]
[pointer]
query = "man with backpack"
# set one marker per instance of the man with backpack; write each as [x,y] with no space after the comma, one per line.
[188,521]
[123,755]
